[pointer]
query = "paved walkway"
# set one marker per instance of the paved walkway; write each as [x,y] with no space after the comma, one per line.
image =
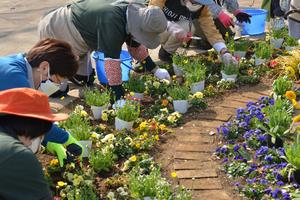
[194,145]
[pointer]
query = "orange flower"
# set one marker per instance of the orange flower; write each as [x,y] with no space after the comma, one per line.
[250,72]
[291,95]
[164,102]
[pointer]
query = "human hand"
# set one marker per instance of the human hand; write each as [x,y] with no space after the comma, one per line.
[161,73]
[225,19]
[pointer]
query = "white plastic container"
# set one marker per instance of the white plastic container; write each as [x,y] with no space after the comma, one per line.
[121,124]
[138,95]
[181,106]
[240,54]
[177,70]
[97,111]
[87,145]
[277,43]
[226,77]
[259,61]
[197,87]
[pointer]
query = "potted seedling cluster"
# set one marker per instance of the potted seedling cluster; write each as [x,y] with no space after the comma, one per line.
[241,48]
[263,51]
[136,86]
[278,36]
[178,62]
[126,115]
[195,75]
[230,71]
[290,43]
[97,100]
[180,95]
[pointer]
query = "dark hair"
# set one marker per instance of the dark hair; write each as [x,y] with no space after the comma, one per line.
[24,126]
[58,54]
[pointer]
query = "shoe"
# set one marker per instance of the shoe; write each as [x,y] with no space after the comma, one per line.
[164,56]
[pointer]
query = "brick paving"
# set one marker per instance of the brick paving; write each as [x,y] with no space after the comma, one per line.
[194,146]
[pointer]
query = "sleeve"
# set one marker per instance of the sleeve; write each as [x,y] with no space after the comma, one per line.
[231,5]
[15,79]
[24,174]
[215,10]
[209,29]
[159,3]
[56,135]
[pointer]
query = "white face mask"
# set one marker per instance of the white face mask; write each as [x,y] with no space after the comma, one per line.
[36,144]
[49,87]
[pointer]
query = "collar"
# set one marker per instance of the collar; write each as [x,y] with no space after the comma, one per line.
[29,73]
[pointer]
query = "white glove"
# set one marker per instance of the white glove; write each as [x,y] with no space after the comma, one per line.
[227,59]
[178,32]
[162,74]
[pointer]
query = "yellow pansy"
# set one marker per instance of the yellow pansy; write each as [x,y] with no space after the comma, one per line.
[143,125]
[132,158]
[198,95]
[83,113]
[138,145]
[290,95]
[61,184]
[173,174]
[54,162]
[171,118]
[290,72]
[162,127]
[131,94]
[295,104]
[296,119]
[104,117]
[156,84]
[156,137]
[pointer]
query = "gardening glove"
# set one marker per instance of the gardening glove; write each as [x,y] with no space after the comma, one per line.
[225,19]
[161,73]
[227,59]
[59,150]
[178,32]
[242,16]
[73,146]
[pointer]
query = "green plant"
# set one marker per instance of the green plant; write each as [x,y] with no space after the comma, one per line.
[78,124]
[130,111]
[279,33]
[94,97]
[241,45]
[291,41]
[180,60]
[136,84]
[196,71]
[101,159]
[281,85]
[148,185]
[263,50]
[179,92]
[292,152]
[230,68]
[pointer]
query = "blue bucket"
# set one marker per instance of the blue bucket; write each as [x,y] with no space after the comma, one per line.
[258,22]
[125,65]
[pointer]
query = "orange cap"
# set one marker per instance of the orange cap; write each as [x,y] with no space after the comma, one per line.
[28,102]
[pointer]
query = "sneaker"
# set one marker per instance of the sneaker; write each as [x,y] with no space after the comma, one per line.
[164,56]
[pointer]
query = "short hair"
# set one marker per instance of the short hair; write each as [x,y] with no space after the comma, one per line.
[24,126]
[58,54]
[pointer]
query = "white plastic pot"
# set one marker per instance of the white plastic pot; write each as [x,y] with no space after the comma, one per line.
[197,87]
[277,43]
[259,61]
[138,95]
[227,77]
[181,106]
[86,145]
[240,54]
[177,70]
[121,124]
[290,48]
[97,111]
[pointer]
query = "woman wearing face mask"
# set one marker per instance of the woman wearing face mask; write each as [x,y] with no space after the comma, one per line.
[25,117]
[44,67]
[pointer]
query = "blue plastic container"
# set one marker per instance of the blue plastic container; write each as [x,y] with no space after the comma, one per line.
[258,22]
[125,65]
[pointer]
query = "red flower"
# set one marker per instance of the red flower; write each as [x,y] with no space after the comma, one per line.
[273,63]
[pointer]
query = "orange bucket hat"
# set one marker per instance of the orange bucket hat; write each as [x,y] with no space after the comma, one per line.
[28,102]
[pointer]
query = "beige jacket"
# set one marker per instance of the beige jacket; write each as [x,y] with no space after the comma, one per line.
[205,20]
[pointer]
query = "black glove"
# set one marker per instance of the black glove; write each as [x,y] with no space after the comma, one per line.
[243,17]
[118,91]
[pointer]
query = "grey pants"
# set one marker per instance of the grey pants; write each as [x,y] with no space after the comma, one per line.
[58,24]
[294,28]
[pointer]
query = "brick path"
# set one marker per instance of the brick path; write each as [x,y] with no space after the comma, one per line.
[194,146]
